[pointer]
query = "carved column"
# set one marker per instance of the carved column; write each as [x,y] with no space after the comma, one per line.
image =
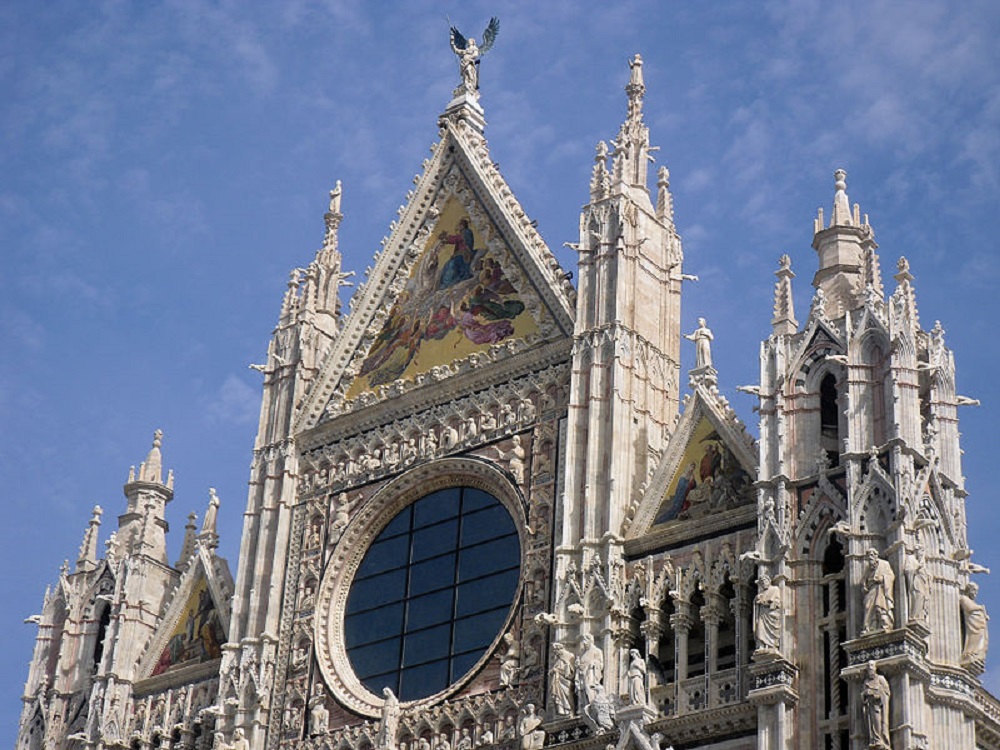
[681,621]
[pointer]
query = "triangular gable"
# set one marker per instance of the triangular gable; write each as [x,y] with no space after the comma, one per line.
[194,625]
[458,300]
[432,301]
[709,466]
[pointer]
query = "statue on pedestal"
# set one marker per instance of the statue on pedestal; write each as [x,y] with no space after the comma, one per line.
[875,698]
[879,599]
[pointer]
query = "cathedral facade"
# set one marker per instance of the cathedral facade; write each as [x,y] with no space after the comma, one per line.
[487,510]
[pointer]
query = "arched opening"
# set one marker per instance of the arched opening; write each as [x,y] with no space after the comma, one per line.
[829,418]
[833,627]
[696,637]
[726,639]
[102,632]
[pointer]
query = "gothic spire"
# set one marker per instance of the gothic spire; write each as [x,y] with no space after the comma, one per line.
[632,150]
[88,549]
[187,547]
[784,321]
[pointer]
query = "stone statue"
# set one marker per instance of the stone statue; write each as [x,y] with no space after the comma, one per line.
[561,680]
[589,670]
[702,338]
[442,742]
[319,715]
[875,699]
[469,53]
[220,742]
[240,741]
[486,737]
[510,661]
[636,678]
[532,738]
[878,587]
[976,632]
[465,741]
[212,514]
[601,710]
[509,730]
[767,615]
[918,585]
[390,720]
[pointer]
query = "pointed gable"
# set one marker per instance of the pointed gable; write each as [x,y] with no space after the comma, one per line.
[194,626]
[432,300]
[708,468]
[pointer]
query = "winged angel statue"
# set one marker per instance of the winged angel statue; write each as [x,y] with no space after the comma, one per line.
[469,53]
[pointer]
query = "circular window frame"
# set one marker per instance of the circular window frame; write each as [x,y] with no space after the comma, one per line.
[364,528]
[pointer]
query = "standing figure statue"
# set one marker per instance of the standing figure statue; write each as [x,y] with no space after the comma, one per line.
[976,632]
[510,662]
[918,584]
[636,678]
[767,615]
[532,738]
[875,698]
[469,53]
[390,721]
[702,338]
[561,680]
[879,601]
[589,670]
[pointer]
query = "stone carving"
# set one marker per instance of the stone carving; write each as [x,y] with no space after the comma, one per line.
[561,680]
[976,633]
[767,615]
[240,741]
[469,53]
[589,670]
[509,731]
[390,721]
[702,338]
[486,737]
[918,585]
[875,699]
[878,587]
[442,742]
[532,737]
[319,715]
[636,678]
[515,458]
[601,710]
[510,661]
[464,741]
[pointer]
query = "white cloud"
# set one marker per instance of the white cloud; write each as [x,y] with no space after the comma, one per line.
[235,403]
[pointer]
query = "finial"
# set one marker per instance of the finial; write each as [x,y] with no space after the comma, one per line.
[151,470]
[88,550]
[784,322]
[841,204]
[600,180]
[664,201]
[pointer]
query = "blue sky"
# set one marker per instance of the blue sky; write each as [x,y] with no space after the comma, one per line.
[164,165]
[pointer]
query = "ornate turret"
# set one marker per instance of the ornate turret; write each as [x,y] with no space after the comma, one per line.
[846,248]
[143,527]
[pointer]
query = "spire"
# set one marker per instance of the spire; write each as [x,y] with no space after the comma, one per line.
[664,200]
[632,150]
[600,181]
[88,549]
[904,298]
[187,547]
[784,321]
[151,470]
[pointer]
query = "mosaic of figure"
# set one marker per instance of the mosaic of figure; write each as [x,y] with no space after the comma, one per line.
[711,479]
[456,301]
[198,635]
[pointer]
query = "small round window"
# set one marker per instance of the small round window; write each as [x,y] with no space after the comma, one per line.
[432,593]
